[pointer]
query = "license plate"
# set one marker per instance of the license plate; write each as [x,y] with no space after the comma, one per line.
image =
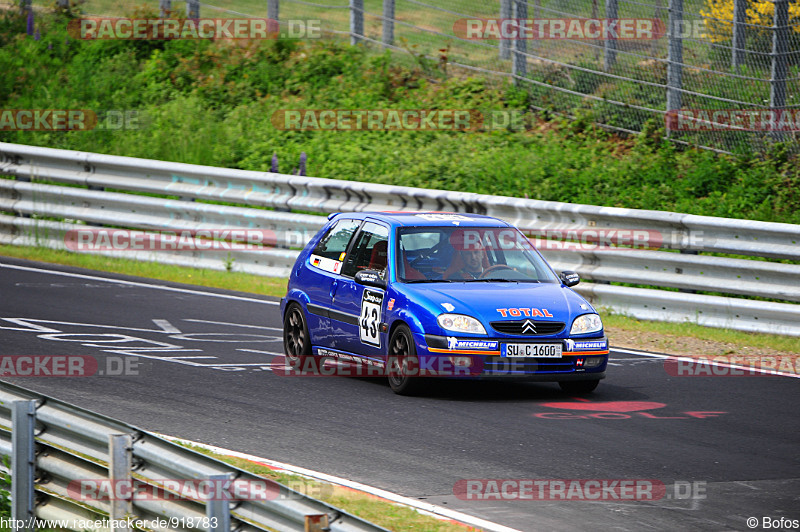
[532,350]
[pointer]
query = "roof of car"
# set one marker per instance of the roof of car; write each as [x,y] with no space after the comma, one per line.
[428,218]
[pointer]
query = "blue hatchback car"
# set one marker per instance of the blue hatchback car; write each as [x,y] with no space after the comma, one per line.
[412,295]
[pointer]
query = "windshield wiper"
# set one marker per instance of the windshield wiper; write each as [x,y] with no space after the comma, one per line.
[410,281]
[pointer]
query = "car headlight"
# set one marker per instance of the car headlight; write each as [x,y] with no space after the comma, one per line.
[587,323]
[460,323]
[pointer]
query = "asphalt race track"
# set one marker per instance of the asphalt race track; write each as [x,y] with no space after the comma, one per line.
[199,367]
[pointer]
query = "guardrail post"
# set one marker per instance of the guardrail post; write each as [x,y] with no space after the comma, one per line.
[120,448]
[519,65]
[675,56]
[273,9]
[779,71]
[610,45]
[356,21]
[317,523]
[23,421]
[218,511]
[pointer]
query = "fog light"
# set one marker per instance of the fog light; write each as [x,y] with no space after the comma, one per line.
[461,362]
[592,362]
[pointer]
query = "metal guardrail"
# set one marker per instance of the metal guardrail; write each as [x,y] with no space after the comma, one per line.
[108,190]
[54,446]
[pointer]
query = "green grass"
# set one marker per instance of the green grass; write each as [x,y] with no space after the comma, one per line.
[786,344]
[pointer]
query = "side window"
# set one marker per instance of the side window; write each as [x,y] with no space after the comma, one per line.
[329,253]
[370,250]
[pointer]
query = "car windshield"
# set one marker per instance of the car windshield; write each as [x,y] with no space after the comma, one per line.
[468,254]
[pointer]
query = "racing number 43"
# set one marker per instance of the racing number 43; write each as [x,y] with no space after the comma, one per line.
[371,310]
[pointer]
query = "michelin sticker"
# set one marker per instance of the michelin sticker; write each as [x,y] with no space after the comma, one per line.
[595,345]
[454,344]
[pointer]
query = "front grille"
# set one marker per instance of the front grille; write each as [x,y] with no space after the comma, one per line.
[510,366]
[528,327]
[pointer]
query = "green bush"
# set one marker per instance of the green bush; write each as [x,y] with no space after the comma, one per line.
[212,103]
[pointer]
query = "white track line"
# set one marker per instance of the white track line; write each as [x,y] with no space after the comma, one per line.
[142,285]
[234,324]
[709,361]
[422,507]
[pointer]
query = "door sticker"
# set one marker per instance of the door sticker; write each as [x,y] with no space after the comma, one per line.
[371,311]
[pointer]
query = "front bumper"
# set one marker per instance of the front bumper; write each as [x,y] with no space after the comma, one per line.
[583,359]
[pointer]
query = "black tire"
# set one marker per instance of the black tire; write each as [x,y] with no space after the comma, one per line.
[296,340]
[579,387]
[402,363]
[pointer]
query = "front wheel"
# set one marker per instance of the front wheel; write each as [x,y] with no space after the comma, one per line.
[402,363]
[579,387]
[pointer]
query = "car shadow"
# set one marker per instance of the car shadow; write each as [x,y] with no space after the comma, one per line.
[510,391]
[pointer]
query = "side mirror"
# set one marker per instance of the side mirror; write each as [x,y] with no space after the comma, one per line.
[370,278]
[570,278]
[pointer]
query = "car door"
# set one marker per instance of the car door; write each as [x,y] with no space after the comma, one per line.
[323,272]
[360,310]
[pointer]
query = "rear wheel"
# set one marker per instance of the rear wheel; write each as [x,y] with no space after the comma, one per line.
[579,387]
[296,341]
[402,363]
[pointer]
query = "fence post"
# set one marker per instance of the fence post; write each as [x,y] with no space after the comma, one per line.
[120,447]
[519,66]
[388,22]
[165,7]
[594,17]
[505,13]
[192,8]
[610,45]
[779,72]
[273,9]
[218,511]
[657,14]
[23,421]
[356,21]
[675,55]
[738,44]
